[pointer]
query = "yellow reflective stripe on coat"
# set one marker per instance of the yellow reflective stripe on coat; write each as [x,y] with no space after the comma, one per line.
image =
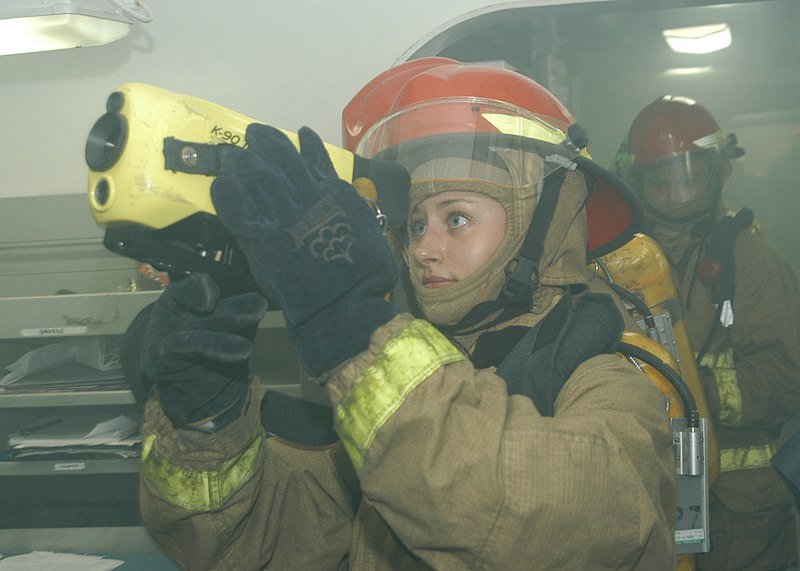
[746,458]
[730,396]
[201,490]
[409,357]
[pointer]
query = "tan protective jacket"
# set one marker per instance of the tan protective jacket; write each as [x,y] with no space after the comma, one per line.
[454,473]
[437,467]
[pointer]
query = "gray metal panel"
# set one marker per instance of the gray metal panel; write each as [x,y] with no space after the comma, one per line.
[51,243]
[692,519]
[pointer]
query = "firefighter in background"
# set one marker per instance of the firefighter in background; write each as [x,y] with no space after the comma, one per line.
[742,316]
[564,461]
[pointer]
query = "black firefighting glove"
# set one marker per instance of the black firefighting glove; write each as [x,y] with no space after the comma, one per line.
[314,246]
[194,346]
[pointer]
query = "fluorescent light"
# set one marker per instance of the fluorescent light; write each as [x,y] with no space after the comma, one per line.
[698,39]
[679,71]
[30,26]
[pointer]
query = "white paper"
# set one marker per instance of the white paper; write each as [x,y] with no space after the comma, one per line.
[50,561]
[726,315]
[91,352]
[118,431]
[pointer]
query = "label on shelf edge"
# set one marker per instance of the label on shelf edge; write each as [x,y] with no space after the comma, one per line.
[69,466]
[53,331]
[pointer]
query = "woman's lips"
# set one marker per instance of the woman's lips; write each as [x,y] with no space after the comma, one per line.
[436,281]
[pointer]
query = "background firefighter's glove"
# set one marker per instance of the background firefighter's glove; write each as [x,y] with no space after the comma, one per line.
[314,246]
[195,346]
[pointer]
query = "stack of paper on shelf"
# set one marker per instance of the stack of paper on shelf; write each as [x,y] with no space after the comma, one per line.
[73,437]
[70,365]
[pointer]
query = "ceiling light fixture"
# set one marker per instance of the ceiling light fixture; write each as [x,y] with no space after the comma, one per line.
[682,71]
[35,26]
[698,39]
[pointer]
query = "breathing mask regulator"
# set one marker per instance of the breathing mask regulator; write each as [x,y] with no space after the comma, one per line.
[484,129]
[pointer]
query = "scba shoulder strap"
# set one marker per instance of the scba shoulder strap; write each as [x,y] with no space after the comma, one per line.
[540,361]
[716,269]
[576,330]
[719,252]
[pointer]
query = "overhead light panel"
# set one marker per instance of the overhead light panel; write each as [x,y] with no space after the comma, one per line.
[35,26]
[683,71]
[699,39]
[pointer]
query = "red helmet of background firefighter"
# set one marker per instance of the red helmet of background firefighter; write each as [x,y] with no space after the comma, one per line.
[678,160]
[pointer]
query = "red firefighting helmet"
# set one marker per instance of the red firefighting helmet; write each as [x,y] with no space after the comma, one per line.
[440,99]
[677,135]
[671,126]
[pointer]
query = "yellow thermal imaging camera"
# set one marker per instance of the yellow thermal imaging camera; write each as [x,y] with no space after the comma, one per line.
[152,158]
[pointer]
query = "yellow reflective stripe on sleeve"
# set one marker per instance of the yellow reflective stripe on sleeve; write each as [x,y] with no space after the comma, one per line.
[746,458]
[407,359]
[730,397]
[199,490]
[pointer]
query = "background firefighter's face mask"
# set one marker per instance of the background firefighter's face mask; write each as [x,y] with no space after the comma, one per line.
[680,186]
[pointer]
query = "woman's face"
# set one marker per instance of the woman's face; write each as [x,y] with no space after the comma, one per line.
[452,235]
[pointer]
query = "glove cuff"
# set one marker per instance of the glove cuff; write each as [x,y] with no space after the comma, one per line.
[205,397]
[339,332]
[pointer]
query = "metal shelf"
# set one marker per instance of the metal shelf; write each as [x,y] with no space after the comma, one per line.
[58,283]
[82,314]
[58,399]
[124,539]
[69,467]
[71,314]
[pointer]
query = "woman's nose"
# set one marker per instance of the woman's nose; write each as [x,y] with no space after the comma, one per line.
[428,249]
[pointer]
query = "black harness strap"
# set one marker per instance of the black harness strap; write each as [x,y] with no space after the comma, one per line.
[297,420]
[522,273]
[576,330]
[535,362]
[720,247]
[525,266]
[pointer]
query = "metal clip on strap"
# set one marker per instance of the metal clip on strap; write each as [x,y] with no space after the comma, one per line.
[518,280]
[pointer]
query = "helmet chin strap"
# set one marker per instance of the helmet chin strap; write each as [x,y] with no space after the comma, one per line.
[522,271]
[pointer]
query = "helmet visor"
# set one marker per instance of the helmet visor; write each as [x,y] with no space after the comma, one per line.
[682,182]
[486,132]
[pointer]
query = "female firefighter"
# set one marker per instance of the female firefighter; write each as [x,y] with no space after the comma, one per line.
[495,428]
[742,313]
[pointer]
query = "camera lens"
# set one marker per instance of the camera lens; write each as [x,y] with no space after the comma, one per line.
[106,141]
[102,192]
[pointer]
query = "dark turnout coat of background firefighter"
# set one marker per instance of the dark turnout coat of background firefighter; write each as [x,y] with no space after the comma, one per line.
[742,311]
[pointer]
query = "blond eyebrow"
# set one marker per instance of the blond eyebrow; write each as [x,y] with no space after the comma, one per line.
[451,201]
[446,203]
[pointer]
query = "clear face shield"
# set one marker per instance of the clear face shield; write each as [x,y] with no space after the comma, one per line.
[469,143]
[680,186]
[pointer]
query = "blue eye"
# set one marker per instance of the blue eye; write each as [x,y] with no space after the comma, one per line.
[457,219]
[417,227]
